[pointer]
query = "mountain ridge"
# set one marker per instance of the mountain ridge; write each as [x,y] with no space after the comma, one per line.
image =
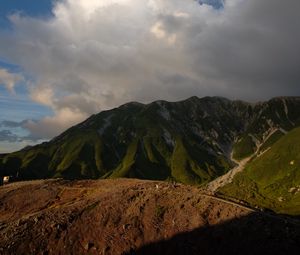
[189,141]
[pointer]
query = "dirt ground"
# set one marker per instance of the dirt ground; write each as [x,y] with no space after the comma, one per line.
[127,216]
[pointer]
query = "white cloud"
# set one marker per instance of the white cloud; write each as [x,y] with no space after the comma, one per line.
[43,95]
[51,126]
[159,32]
[97,54]
[9,80]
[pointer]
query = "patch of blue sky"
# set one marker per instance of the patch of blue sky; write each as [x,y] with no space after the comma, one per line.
[15,69]
[217,4]
[7,147]
[16,108]
[33,8]
[10,67]
[19,131]
[19,107]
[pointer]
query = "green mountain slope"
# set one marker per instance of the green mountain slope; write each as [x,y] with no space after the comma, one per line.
[273,179]
[188,141]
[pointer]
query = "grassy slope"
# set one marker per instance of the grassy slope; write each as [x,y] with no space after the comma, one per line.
[137,142]
[83,155]
[272,180]
[244,148]
[77,157]
[271,140]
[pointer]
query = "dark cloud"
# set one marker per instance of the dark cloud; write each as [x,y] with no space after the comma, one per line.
[254,52]
[94,55]
[11,136]
[6,135]
[12,124]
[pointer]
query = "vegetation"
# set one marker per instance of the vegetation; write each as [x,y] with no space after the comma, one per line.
[273,179]
[244,148]
[187,141]
[271,140]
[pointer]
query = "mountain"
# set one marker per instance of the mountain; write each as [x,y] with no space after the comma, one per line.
[191,141]
[271,180]
[270,120]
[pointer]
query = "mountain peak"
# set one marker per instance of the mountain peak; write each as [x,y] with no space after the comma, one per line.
[188,141]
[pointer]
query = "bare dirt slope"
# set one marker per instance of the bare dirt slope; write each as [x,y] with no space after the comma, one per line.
[128,216]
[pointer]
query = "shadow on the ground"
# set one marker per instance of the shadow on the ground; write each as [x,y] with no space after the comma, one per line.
[252,234]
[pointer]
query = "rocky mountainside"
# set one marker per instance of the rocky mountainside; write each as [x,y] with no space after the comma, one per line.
[190,141]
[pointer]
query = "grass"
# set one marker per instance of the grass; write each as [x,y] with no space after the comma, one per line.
[267,181]
[189,145]
[271,140]
[244,148]
[124,168]
[87,155]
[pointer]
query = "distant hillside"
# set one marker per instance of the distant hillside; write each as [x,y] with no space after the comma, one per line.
[271,180]
[190,141]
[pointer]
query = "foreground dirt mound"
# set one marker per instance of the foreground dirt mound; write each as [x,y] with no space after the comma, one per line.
[133,217]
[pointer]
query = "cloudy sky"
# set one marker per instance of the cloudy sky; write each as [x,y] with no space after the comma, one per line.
[63,60]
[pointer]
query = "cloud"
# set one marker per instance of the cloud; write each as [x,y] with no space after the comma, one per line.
[12,124]
[45,128]
[94,55]
[13,132]
[9,80]
[49,127]
[6,135]
[43,96]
